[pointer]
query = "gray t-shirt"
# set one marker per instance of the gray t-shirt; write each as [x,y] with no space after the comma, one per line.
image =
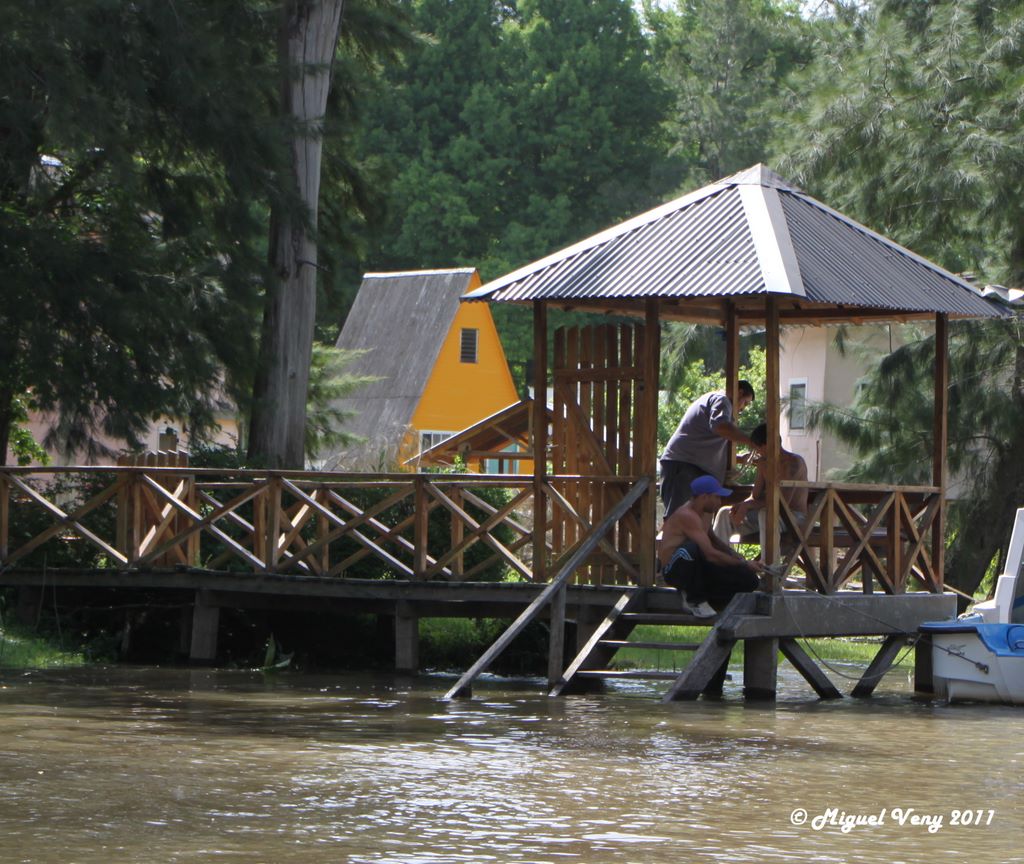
[694,440]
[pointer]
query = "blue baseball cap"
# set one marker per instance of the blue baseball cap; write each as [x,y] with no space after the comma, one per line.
[708,485]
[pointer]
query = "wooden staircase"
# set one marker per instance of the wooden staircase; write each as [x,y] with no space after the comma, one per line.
[594,661]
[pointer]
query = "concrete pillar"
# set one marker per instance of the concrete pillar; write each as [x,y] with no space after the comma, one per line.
[407,637]
[760,667]
[205,619]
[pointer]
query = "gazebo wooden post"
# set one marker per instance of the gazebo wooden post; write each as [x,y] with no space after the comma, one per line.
[732,372]
[540,440]
[771,418]
[761,656]
[941,441]
[645,439]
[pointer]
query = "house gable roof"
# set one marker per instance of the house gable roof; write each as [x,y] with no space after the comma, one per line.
[742,238]
[399,321]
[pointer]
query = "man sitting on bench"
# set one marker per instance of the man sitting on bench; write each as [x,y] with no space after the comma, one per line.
[694,561]
[747,517]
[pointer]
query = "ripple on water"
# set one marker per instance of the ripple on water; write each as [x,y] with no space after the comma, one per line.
[114,765]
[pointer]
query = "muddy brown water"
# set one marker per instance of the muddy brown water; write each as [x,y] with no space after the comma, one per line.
[145,764]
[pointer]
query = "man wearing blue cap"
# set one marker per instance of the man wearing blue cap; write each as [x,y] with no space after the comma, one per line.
[697,563]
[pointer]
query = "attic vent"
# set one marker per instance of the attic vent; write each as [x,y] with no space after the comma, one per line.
[467,351]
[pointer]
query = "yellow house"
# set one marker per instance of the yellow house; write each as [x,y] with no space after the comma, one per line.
[438,366]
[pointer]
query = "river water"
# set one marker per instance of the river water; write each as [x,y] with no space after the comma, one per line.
[130,764]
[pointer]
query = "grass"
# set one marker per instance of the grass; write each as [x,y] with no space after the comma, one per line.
[21,648]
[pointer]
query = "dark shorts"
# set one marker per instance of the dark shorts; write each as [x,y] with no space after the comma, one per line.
[676,478]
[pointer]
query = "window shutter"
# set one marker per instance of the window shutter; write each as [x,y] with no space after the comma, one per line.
[467,349]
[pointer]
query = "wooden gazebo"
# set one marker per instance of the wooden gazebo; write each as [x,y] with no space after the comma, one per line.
[750,250]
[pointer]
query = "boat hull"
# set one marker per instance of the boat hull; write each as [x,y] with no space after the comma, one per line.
[974,661]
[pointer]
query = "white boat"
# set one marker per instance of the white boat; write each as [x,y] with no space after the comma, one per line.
[980,656]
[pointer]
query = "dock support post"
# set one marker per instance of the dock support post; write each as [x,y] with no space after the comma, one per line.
[556,645]
[205,619]
[924,681]
[760,667]
[407,637]
[796,655]
[185,631]
[881,664]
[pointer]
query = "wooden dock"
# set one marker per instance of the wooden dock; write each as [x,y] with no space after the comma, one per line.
[443,546]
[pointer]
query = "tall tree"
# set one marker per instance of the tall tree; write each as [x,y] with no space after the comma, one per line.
[130,150]
[308,41]
[725,64]
[914,125]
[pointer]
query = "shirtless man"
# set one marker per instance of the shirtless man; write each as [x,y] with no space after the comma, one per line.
[696,562]
[748,515]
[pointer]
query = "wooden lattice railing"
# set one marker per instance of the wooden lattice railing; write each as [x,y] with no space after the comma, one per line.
[408,526]
[885,535]
[452,527]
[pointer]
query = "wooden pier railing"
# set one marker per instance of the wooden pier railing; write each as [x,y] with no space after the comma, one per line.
[409,526]
[886,535]
[453,527]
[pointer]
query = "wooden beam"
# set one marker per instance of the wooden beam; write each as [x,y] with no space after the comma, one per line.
[623,603]
[796,655]
[732,371]
[407,637]
[645,439]
[708,659]
[205,619]
[540,439]
[940,441]
[714,651]
[924,677]
[881,663]
[760,669]
[556,631]
[811,615]
[772,418]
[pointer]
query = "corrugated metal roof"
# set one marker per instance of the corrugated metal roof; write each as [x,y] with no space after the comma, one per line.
[748,235]
[400,321]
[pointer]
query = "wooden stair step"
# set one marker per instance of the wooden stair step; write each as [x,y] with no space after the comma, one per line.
[667,646]
[639,674]
[677,618]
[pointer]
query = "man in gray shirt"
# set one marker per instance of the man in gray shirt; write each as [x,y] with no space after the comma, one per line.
[700,444]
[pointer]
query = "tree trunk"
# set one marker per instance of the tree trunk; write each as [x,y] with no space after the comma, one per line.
[308,39]
[6,421]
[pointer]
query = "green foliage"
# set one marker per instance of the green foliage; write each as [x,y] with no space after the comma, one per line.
[25,448]
[511,130]
[329,382]
[131,156]
[725,64]
[690,368]
[23,648]
[457,643]
[912,123]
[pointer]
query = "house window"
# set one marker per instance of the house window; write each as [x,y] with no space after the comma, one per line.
[467,349]
[797,404]
[432,439]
